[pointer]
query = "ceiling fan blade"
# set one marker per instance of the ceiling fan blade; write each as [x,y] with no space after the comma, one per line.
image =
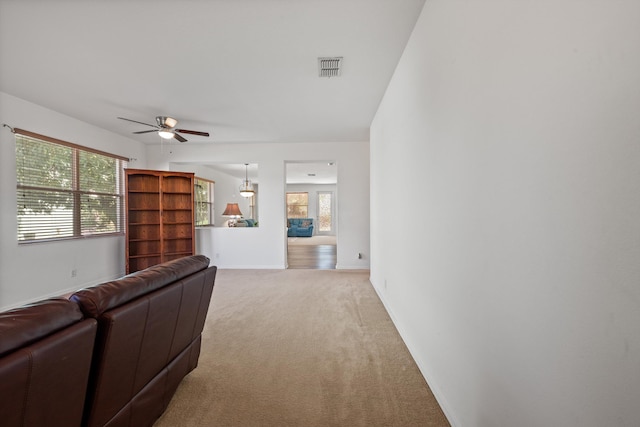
[145,131]
[193,132]
[179,137]
[135,121]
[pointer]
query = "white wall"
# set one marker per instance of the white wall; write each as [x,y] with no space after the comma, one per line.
[517,290]
[265,246]
[33,271]
[226,190]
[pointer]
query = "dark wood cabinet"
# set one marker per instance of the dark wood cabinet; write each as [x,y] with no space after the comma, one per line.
[160,217]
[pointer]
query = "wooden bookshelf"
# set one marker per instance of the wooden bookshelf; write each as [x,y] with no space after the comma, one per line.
[160,217]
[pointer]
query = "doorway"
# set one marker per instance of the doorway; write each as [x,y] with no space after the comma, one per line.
[310,198]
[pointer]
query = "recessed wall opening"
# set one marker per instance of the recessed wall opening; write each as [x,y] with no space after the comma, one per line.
[311,212]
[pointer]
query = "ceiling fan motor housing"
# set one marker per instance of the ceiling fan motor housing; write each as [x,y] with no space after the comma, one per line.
[166,122]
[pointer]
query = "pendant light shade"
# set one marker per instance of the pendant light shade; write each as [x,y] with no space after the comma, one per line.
[246,189]
[166,134]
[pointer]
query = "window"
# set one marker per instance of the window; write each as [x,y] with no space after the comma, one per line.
[297,205]
[65,190]
[203,193]
[325,212]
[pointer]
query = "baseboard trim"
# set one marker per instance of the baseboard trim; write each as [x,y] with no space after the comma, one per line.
[251,267]
[437,393]
[351,267]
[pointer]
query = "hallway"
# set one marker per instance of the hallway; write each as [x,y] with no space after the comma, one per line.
[317,252]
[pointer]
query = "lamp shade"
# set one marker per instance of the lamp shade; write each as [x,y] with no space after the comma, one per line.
[232,210]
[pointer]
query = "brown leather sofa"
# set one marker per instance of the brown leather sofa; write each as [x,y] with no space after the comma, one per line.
[113,355]
[149,327]
[45,356]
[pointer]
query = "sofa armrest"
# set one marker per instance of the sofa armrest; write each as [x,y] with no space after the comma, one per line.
[45,362]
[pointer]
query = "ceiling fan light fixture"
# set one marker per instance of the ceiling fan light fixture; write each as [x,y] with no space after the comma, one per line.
[166,134]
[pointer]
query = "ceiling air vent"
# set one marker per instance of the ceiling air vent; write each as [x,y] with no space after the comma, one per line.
[330,67]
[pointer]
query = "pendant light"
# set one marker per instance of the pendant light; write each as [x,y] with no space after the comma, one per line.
[246,189]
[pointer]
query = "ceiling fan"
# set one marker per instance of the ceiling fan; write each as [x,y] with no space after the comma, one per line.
[166,128]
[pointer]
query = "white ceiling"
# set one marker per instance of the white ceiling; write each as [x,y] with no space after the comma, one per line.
[296,172]
[242,70]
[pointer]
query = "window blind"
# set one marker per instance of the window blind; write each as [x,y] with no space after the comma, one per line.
[65,190]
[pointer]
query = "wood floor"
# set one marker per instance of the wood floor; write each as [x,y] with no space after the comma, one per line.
[317,257]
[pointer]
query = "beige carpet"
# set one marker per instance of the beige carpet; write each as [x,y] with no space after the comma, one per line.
[301,348]
[311,241]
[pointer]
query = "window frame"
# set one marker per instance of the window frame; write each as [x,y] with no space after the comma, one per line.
[319,229]
[305,205]
[75,191]
[209,202]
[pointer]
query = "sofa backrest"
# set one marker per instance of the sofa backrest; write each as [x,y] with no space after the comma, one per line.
[97,299]
[149,326]
[299,222]
[45,357]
